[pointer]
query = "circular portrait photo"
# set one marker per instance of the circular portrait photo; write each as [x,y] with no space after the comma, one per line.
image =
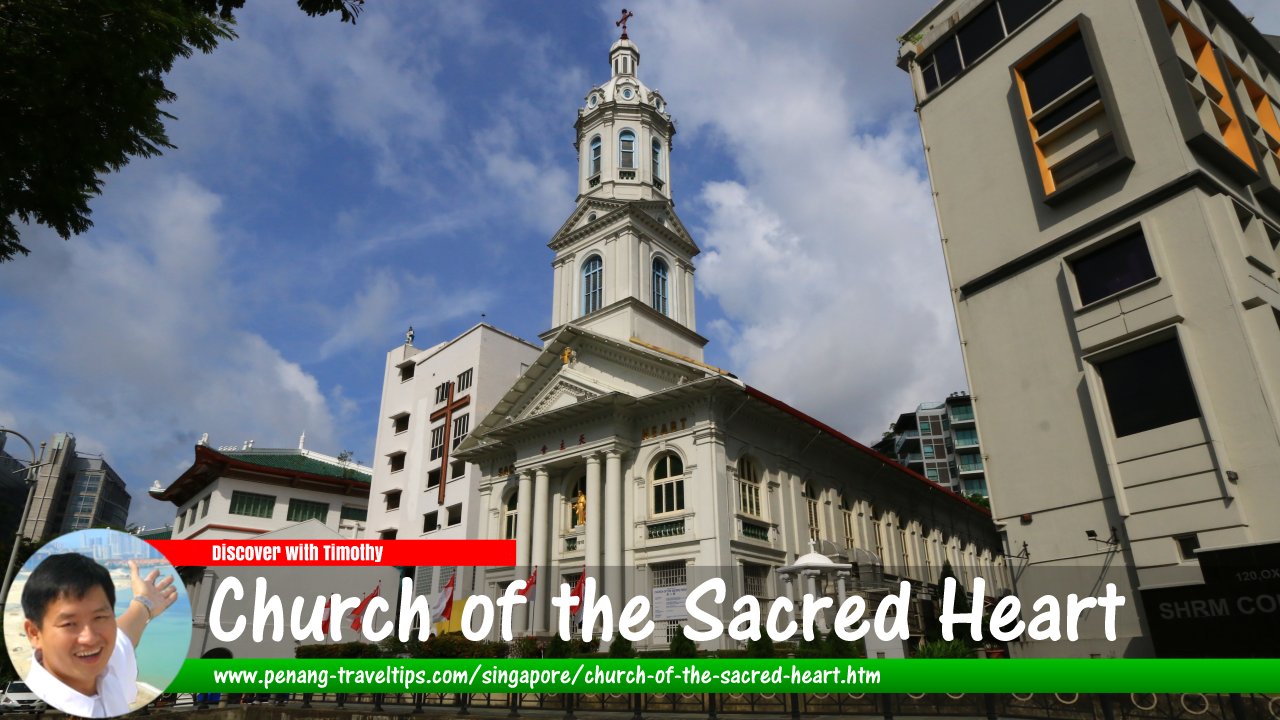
[97,623]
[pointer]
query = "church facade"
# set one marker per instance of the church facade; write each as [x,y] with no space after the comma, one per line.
[622,454]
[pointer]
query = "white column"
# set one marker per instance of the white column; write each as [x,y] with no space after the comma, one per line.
[791,595]
[524,525]
[812,582]
[594,518]
[538,553]
[613,528]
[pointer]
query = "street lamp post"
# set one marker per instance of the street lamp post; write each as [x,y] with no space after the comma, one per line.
[26,508]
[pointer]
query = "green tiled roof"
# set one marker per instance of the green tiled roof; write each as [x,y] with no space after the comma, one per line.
[293,461]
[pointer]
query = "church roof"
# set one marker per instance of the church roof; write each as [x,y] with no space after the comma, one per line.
[293,460]
[283,465]
[926,484]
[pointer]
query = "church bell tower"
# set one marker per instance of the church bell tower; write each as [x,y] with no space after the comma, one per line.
[624,261]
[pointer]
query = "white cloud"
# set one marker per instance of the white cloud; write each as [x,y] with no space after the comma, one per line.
[390,302]
[140,345]
[823,253]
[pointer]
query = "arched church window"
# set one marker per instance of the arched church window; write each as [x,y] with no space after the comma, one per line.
[668,484]
[660,286]
[748,487]
[846,516]
[576,502]
[592,284]
[510,516]
[811,508]
[657,159]
[595,156]
[627,150]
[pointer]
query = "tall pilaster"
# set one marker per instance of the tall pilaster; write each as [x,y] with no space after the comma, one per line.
[613,527]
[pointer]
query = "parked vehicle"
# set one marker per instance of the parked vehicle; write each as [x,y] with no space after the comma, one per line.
[17,696]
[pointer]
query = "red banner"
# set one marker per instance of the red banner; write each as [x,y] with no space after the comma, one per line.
[257,553]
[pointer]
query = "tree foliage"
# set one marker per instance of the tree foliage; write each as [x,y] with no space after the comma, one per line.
[81,85]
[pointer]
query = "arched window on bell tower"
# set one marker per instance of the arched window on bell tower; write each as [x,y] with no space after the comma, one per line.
[594,167]
[657,162]
[592,285]
[627,150]
[661,291]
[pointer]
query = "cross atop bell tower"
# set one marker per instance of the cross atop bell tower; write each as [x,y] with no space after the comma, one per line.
[624,261]
[622,23]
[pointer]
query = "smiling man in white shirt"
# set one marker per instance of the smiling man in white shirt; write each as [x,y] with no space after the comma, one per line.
[84,660]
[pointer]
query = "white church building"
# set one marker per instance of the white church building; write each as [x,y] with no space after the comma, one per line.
[618,451]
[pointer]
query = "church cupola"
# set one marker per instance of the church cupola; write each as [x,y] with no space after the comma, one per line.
[624,133]
[624,261]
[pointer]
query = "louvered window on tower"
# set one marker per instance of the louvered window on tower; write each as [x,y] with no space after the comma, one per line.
[660,286]
[627,150]
[592,284]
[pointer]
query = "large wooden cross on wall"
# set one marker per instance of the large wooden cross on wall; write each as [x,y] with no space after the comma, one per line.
[446,412]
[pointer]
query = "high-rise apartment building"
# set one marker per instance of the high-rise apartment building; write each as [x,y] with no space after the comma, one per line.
[940,441]
[1107,183]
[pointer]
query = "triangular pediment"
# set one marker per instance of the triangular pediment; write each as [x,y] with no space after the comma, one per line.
[578,366]
[562,391]
[657,217]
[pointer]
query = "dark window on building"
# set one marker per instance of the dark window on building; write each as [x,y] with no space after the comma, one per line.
[980,34]
[456,469]
[1148,388]
[406,371]
[431,521]
[393,500]
[1062,68]
[400,423]
[1018,12]
[929,72]
[455,514]
[397,462]
[464,379]
[947,60]
[1187,546]
[387,535]
[357,514]
[1112,268]
[433,479]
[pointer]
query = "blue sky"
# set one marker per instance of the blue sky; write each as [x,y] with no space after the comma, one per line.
[334,184]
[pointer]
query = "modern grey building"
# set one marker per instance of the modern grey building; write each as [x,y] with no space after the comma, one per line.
[75,491]
[1107,182]
[940,441]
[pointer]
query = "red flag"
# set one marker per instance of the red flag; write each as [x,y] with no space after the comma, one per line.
[324,623]
[444,603]
[578,590]
[529,584]
[357,615]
